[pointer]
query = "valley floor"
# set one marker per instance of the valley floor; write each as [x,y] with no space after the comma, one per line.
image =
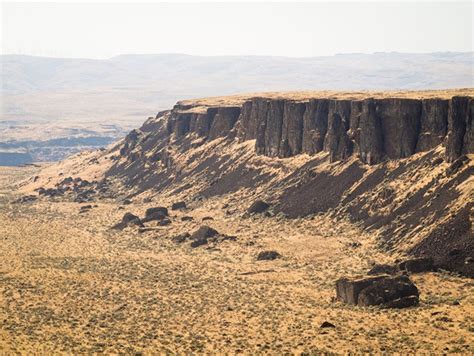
[70,284]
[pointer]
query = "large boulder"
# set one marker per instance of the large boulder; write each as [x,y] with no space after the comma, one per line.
[392,292]
[158,213]
[417,265]
[259,206]
[382,269]
[178,205]
[128,219]
[201,235]
[386,291]
[268,256]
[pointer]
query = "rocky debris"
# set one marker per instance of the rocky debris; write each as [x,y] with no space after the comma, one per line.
[51,192]
[451,243]
[327,324]
[383,269]
[26,199]
[207,218]
[202,235]
[417,265]
[187,218]
[178,205]
[268,256]
[456,165]
[158,213]
[127,202]
[180,238]
[257,207]
[387,291]
[164,222]
[128,220]
[85,208]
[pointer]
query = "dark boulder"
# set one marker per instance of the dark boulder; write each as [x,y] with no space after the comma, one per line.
[180,238]
[207,218]
[202,235]
[158,213]
[128,220]
[259,206]
[187,218]
[417,265]
[348,290]
[390,292]
[164,222]
[327,324]
[178,205]
[383,269]
[268,256]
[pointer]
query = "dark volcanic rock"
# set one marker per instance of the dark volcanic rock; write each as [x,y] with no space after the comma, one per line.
[291,129]
[164,222]
[337,141]
[201,236]
[158,213]
[268,256]
[433,123]
[369,137]
[315,125]
[348,290]
[459,120]
[327,324]
[400,125]
[382,269]
[391,292]
[180,238]
[416,265]
[178,205]
[187,218]
[451,244]
[128,220]
[224,121]
[257,207]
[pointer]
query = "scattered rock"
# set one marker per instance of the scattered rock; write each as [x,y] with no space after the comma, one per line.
[201,236]
[26,199]
[158,213]
[127,202]
[457,164]
[268,256]
[128,220]
[417,265]
[178,205]
[383,269]
[180,238]
[327,324]
[390,292]
[259,206]
[187,218]
[207,218]
[164,222]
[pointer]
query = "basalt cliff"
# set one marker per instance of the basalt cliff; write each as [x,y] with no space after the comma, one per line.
[395,163]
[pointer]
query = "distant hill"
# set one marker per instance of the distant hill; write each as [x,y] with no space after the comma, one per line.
[49,98]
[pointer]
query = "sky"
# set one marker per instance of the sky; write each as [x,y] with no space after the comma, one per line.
[103,30]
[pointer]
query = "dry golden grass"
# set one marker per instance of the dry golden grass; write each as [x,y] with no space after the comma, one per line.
[70,284]
[328,94]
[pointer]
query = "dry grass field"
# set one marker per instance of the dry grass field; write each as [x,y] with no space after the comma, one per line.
[68,283]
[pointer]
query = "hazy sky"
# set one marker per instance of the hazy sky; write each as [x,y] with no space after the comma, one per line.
[102,30]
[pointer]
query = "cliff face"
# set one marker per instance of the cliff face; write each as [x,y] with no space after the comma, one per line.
[371,129]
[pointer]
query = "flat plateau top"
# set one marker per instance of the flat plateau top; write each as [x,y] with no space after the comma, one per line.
[329,94]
